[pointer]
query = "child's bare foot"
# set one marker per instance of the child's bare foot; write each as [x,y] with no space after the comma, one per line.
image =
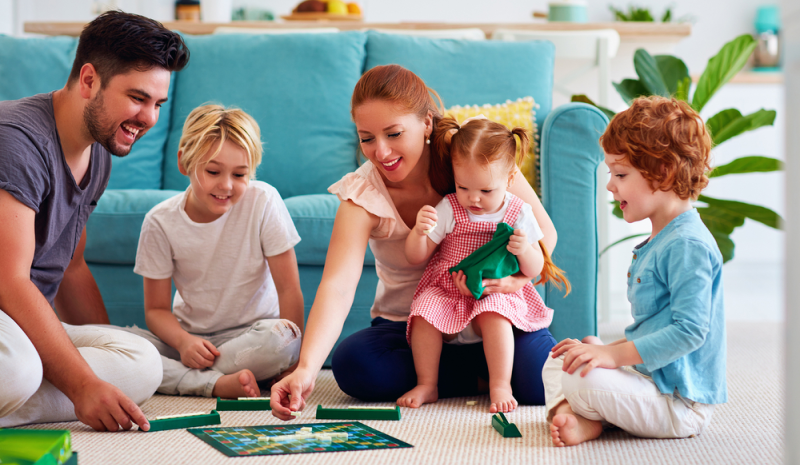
[569,429]
[502,399]
[594,340]
[235,385]
[422,394]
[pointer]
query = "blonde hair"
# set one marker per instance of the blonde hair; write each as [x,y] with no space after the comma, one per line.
[208,124]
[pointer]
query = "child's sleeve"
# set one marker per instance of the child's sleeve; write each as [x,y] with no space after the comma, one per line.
[526,221]
[154,253]
[278,233]
[687,267]
[445,223]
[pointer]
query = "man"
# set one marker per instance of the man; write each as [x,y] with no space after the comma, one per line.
[54,165]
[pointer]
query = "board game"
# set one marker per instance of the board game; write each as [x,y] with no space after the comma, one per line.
[244,441]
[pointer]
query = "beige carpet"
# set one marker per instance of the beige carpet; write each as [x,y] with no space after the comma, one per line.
[747,430]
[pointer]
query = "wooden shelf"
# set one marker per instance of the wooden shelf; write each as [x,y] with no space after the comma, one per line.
[627,30]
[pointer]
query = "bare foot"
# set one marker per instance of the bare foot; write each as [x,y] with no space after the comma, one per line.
[422,394]
[235,385]
[594,340]
[569,429]
[502,399]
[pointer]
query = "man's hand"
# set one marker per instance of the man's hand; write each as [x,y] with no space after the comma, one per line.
[197,352]
[105,408]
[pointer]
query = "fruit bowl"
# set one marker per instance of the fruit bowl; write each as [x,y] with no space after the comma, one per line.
[326,10]
[321,15]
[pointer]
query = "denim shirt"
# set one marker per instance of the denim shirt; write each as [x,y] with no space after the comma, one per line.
[675,291]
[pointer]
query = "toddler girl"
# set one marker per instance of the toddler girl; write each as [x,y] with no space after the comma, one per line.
[227,243]
[483,156]
[664,377]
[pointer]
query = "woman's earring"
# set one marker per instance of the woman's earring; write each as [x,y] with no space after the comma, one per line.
[428,140]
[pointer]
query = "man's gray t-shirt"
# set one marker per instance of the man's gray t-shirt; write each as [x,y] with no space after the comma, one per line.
[34,171]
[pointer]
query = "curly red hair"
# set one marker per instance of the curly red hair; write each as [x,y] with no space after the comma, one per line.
[666,141]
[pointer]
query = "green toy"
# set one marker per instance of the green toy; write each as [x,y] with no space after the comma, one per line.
[184,421]
[36,447]
[358,413]
[243,403]
[506,429]
[491,261]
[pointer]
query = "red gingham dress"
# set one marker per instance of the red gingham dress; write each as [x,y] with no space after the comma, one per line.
[437,299]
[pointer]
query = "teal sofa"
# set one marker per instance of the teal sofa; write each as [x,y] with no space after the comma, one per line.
[298,88]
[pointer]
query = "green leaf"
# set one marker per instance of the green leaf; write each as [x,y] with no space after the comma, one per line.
[673,71]
[721,68]
[730,123]
[758,213]
[721,224]
[629,89]
[667,16]
[752,164]
[682,92]
[720,220]
[726,246]
[649,74]
[620,241]
[616,211]
[584,99]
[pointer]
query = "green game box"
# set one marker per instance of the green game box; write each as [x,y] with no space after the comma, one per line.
[36,447]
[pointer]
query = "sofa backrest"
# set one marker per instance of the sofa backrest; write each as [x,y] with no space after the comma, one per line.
[466,72]
[297,86]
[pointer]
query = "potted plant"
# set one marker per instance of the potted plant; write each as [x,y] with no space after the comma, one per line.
[668,76]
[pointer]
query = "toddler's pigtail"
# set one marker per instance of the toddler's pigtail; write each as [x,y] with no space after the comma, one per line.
[524,143]
[441,166]
[550,272]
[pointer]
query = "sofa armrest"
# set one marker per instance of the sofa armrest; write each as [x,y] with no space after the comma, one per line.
[570,155]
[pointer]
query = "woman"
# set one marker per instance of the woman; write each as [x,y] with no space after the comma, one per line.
[396,118]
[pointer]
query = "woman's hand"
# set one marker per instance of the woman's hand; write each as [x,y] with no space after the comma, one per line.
[426,220]
[507,285]
[289,394]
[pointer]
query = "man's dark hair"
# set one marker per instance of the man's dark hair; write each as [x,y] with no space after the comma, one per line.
[116,43]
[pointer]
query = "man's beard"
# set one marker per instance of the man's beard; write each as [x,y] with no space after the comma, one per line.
[94,117]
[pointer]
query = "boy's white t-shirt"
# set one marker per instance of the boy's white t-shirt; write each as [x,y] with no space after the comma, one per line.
[219,268]
[447,221]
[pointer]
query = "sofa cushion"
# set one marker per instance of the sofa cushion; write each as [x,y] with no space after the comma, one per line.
[112,231]
[30,66]
[313,217]
[298,88]
[466,72]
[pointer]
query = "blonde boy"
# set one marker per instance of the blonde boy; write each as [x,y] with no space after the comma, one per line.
[665,377]
[227,243]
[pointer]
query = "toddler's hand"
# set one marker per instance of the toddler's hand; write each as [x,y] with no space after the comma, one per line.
[197,352]
[426,220]
[518,242]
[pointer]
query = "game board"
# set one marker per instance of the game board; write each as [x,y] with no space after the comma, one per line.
[243,441]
